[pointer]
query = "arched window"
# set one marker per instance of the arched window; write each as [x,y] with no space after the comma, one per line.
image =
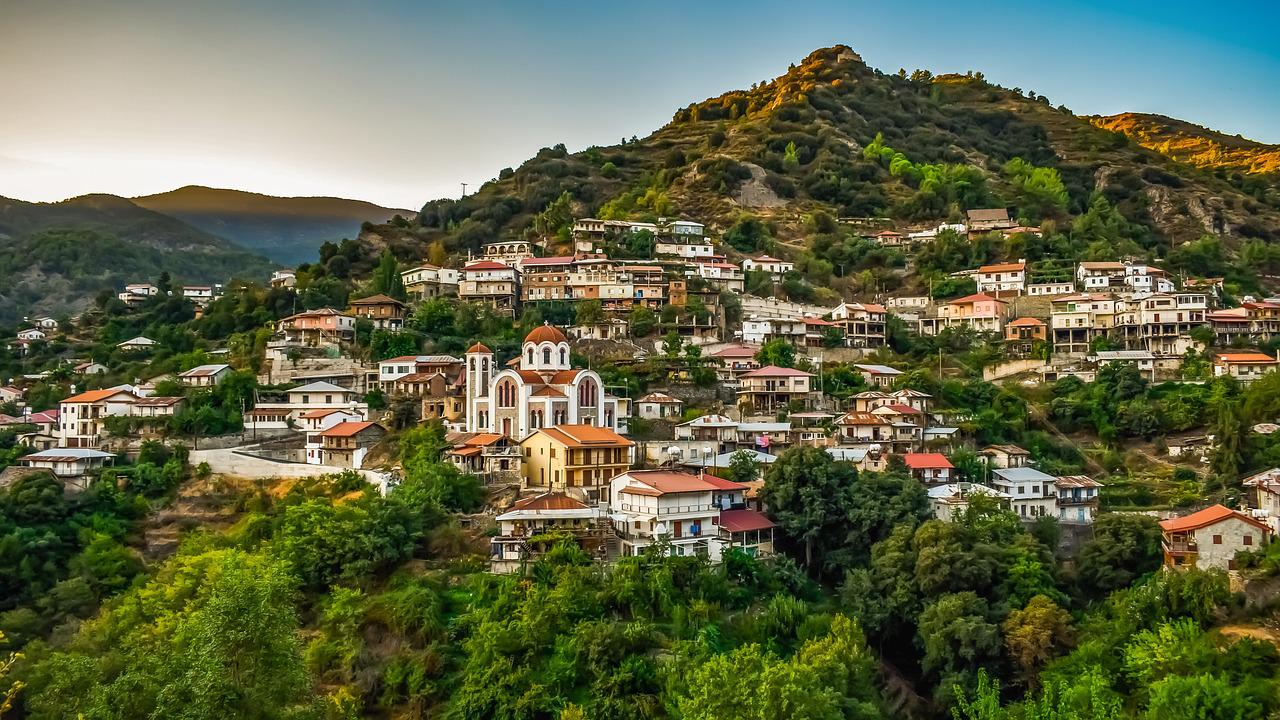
[546,356]
[506,394]
[587,393]
[564,356]
[529,355]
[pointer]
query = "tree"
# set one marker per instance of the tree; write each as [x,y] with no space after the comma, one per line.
[956,635]
[1035,634]
[743,468]
[777,351]
[643,321]
[1123,548]
[386,277]
[8,693]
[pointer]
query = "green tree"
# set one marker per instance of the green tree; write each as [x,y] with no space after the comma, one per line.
[1123,548]
[386,278]
[777,351]
[1036,634]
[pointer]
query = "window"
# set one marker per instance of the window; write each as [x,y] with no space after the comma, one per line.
[564,356]
[1248,540]
[546,356]
[1217,539]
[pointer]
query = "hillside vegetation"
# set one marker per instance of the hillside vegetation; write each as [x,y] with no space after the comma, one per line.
[285,229]
[1194,144]
[55,257]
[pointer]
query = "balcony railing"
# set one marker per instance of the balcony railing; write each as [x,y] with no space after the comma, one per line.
[668,509]
[1180,546]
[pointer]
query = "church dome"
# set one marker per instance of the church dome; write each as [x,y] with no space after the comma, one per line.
[478,348]
[546,333]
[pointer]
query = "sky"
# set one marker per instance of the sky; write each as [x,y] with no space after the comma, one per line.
[401,102]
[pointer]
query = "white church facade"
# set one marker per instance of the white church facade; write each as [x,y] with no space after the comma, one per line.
[540,390]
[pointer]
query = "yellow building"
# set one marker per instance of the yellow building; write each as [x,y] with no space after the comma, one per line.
[575,456]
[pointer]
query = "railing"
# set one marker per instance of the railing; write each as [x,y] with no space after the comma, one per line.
[668,509]
[1179,546]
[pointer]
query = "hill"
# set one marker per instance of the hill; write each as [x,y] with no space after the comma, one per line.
[288,230]
[835,136]
[55,257]
[1194,144]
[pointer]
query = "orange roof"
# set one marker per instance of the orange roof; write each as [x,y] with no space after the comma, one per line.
[531,377]
[317,414]
[548,391]
[564,377]
[1026,322]
[926,461]
[545,333]
[1246,357]
[585,435]
[775,371]
[550,501]
[666,481]
[347,429]
[1211,515]
[486,265]
[377,300]
[93,396]
[976,297]
[1003,267]
[478,348]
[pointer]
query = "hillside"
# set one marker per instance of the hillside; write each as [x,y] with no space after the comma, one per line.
[1194,144]
[798,144]
[288,230]
[55,257]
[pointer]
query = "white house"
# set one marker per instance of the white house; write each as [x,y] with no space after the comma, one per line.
[659,406]
[1031,493]
[952,498]
[205,375]
[138,344]
[1211,538]
[685,510]
[772,265]
[1003,278]
[73,464]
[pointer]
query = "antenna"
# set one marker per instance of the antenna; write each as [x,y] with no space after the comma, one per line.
[464,189]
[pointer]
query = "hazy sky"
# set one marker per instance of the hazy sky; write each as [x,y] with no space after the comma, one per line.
[400,102]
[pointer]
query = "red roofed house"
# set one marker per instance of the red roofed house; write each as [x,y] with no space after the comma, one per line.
[545,278]
[383,311]
[1022,334]
[346,444]
[770,388]
[688,511]
[735,361]
[490,282]
[315,328]
[979,311]
[526,528]
[576,458]
[765,263]
[929,468]
[1211,538]
[1244,366]
[492,457]
[863,323]
[315,422]
[1003,279]
[81,417]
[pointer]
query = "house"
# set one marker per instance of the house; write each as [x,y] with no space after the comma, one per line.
[531,526]
[1210,538]
[979,311]
[721,275]
[1005,456]
[746,529]
[735,361]
[137,345]
[890,238]
[385,312]
[201,295]
[1160,322]
[69,464]
[546,278]
[767,264]
[757,331]
[1077,499]
[1265,490]
[314,422]
[541,389]
[1076,320]
[44,322]
[81,417]
[985,220]
[929,468]
[1144,360]
[89,368]
[1022,334]
[1050,289]
[1003,279]
[491,282]
[1244,366]
[951,499]
[284,278]
[317,395]
[881,376]
[30,334]
[8,394]
[427,281]
[204,375]
[490,456]
[684,510]
[507,252]
[317,328]
[659,406]
[155,408]
[863,323]
[574,458]
[346,444]
[770,388]
[1099,275]
[1032,493]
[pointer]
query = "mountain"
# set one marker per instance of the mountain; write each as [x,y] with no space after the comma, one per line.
[833,135]
[55,257]
[288,230]
[1194,144]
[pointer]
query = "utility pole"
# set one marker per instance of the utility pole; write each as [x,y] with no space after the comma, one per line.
[464,189]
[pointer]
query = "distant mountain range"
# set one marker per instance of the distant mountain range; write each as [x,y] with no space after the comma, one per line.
[55,257]
[286,230]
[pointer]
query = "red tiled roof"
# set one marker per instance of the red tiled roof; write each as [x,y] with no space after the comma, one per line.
[347,429]
[976,297]
[585,436]
[1003,267]
[1246,357]
[667,481]
[545,333]
[737,351]
[377,300]
[564,377]
[550,501]
[926,461]
[317,414]
[903,409]
[478,348]
[720,483]
[548,391]
[1208,516]
[1026,322]
[775,371]
[93,396]
[744,520]
[486,265]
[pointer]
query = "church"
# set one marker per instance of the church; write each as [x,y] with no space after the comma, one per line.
[538,389]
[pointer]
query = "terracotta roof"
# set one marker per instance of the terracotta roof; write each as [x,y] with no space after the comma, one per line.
[775,371]
[1208,516]
[661,482]
[548,391]
[661,398]
[861,418]
[404,358]
[1102,265]
[1076,481]
[347,429]
[478,348]
[545,333]
[317,414]
[900,408]
[377,300]
[564,377]
[926,461]
[531,377]
[550,501]
[1003,267]
[976,297]
[476,439]
[1026,322]
[720,483]
[1246,357]
[486,265]
[97,395]
[888,233]
[737,351]
[744,520]
[585,436]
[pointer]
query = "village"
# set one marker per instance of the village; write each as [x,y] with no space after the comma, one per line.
[556,444]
